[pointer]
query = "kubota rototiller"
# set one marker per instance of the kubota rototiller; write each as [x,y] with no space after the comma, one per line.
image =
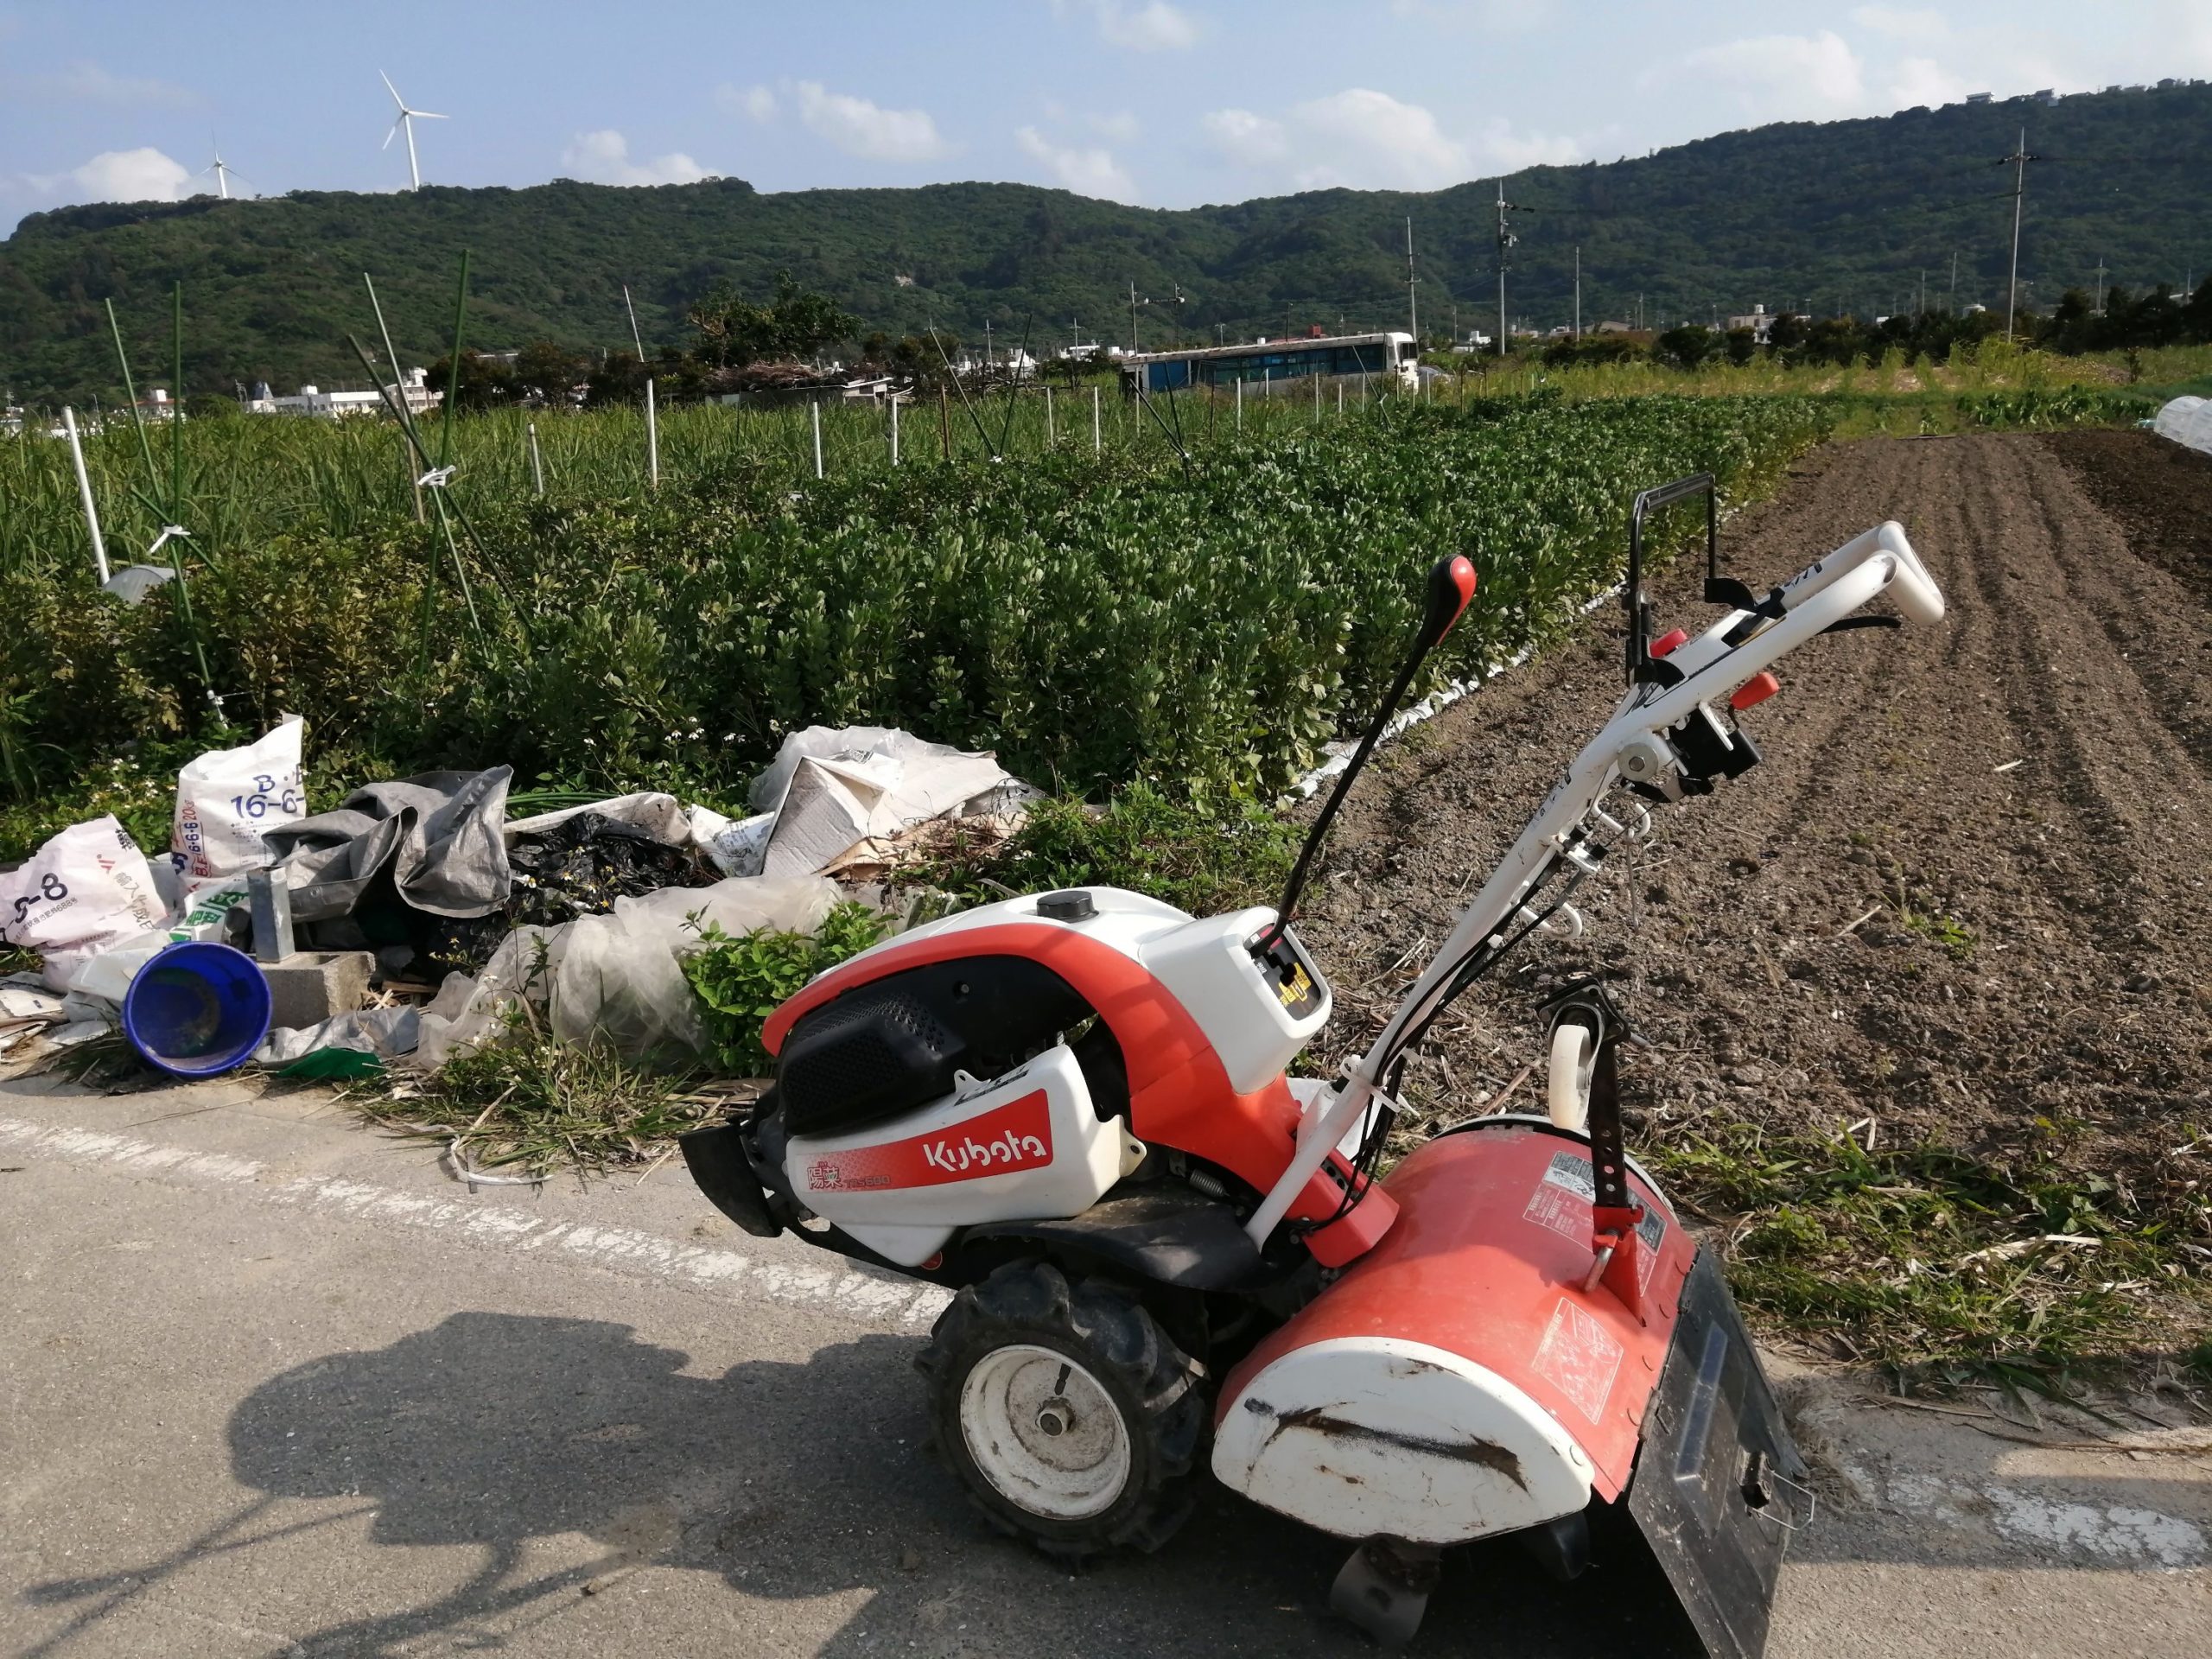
[1071,1108]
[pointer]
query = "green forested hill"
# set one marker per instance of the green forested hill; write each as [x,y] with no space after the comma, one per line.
[1845,215]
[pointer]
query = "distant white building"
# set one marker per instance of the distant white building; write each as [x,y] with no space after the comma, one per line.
[1761,321]
[313,402]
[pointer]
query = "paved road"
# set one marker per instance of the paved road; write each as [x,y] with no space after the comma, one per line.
[272,1385]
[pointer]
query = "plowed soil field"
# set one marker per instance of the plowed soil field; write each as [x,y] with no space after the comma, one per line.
[1966,900]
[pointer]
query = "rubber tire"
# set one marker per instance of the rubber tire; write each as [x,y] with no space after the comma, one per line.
[1158,1390]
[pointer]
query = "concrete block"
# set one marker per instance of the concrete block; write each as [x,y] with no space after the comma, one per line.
[308,987]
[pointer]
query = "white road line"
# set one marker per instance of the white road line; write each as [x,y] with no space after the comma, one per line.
[871,1299]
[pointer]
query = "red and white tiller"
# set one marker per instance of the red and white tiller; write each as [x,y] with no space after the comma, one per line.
[1071,1109]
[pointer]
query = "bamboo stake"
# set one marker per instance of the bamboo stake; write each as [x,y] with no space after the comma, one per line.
[1098,444]
[814,408]
[537,461]
[653,436]
[130,393]
[894,429]
[176,403]
[85,494]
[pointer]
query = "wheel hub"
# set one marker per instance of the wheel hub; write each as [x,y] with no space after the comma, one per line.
[1044,1432]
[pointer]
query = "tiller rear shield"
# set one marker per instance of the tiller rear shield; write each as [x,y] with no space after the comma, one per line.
[1719,1484]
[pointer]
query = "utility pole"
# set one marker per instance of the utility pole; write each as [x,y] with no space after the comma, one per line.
[2019,159]
[1506,240]
[1133,317]
[1578,291]
[2101,284]
[1413,302]
[1953,304]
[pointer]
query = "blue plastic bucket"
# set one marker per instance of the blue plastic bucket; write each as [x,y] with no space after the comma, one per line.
[197,1010]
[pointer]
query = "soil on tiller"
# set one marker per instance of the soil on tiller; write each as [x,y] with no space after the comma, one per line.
[1967,894]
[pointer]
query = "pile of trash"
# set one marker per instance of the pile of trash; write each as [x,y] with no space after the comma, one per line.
[408,924]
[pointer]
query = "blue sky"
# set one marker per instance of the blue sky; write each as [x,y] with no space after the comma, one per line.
[1165,102]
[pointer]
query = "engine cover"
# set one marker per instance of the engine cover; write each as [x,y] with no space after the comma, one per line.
[1024,1146]
[896,1044]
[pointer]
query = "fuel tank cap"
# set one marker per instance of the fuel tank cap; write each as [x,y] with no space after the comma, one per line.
[1072,905]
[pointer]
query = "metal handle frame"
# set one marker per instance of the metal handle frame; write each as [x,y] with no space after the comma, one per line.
[1639,610]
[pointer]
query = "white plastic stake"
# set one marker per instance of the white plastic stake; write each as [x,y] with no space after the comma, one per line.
[85,495]
[537,461]
[894,429]
[1095,441]
[652,438]
[1240,403]
[815,410]
[1048,417]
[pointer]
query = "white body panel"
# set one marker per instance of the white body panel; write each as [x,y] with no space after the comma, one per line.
[1024,1146]
[1376,1436]
[1206,968]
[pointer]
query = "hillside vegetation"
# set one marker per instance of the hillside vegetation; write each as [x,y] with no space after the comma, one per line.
[1846,215]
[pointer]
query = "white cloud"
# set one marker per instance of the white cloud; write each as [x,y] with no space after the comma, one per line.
[1923,80]
[1156,27]
[143,174]
[86,82]
[859,128]
[1916,25]
[1369,140]
[1249,140]
[1121,126]
[1088,172]
[603,157]
[1504,150]
[1785,77]
[755,103]
[1363,138]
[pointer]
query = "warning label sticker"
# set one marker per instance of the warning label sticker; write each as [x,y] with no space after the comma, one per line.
[1561,1202]
[1580,1358]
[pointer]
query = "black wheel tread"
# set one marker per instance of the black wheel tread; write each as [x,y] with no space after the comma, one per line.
[1124,1344]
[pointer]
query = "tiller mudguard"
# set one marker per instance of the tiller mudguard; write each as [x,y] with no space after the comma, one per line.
[1489,1368]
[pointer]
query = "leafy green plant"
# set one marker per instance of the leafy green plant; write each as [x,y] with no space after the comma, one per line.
[740,979]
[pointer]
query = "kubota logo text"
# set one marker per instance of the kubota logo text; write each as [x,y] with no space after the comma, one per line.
[1009,1150]
[1015,1136]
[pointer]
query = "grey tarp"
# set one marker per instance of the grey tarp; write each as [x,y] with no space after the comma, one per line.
[440,832]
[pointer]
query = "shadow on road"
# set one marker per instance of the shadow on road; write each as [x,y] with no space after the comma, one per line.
[792,1483]
[789,1481]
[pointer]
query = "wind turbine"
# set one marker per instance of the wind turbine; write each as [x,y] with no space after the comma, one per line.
[407,118]
[222,170]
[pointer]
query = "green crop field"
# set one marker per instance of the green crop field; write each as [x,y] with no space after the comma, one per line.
[1191,593]
[1198,612]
